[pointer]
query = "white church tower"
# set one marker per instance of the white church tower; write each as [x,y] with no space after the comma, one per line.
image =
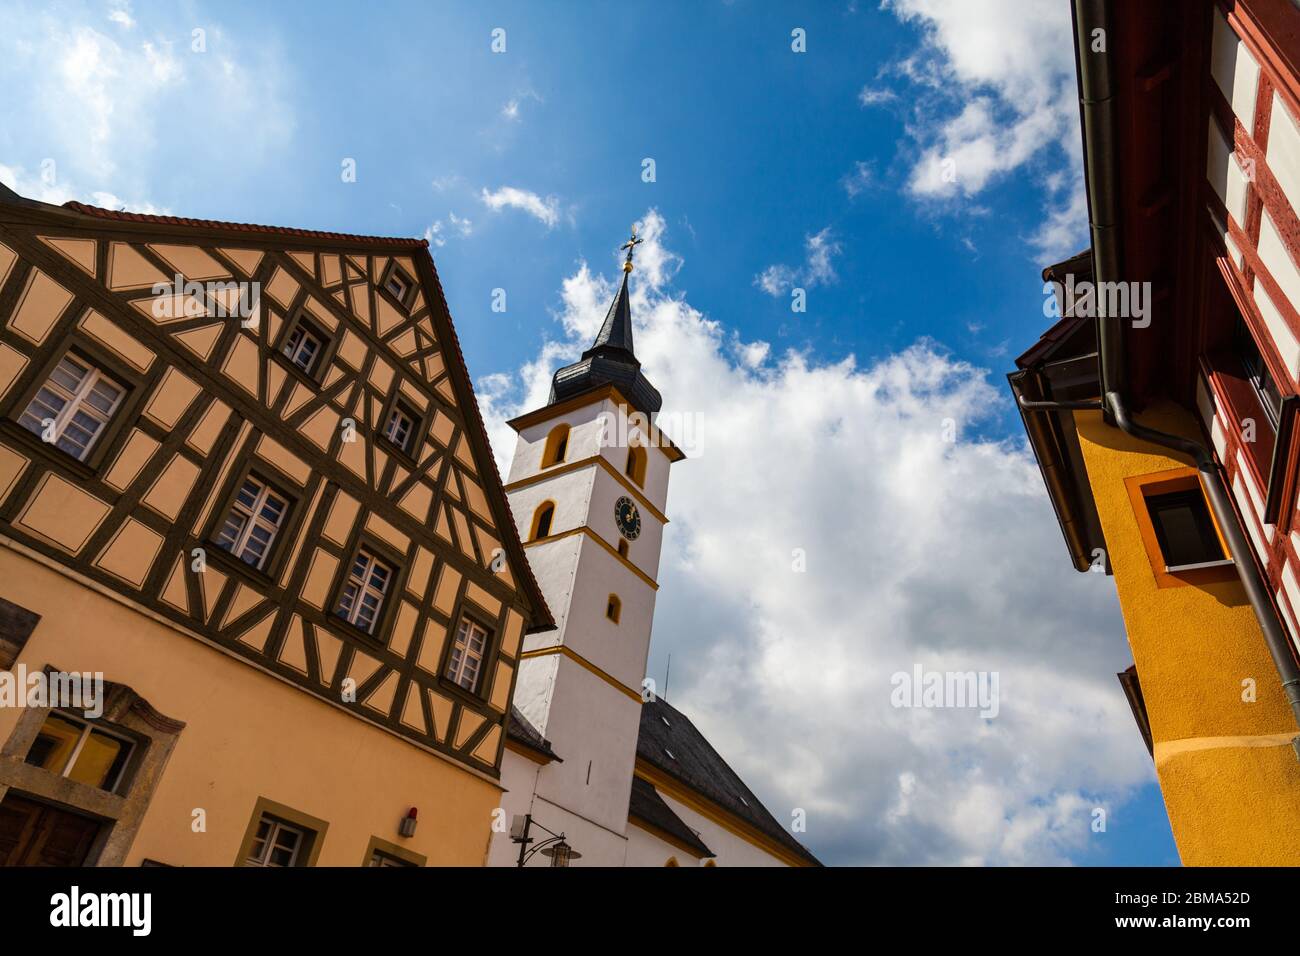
[588,488]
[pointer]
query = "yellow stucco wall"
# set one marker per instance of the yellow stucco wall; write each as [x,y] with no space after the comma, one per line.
[1231,781]
[248,735]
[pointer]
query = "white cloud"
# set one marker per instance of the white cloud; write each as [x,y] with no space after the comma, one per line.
[453,227]
[545,211]
[868,96]
[820,250]
[48,187]
[858,181]
[513,105]
[918,551]
[995,91]
[112,104]
[120,13]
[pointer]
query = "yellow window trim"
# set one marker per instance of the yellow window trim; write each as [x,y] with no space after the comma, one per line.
[1141,487]
[587,530]
[581,661]
[603,462]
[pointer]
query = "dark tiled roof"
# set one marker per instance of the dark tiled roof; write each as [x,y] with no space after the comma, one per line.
[647,806]
[522,732]
[694,763]
[610,361]
[123,216]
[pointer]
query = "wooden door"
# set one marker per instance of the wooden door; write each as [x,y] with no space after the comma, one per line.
[36,834]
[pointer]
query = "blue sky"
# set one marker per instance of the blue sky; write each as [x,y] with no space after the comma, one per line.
[821,170]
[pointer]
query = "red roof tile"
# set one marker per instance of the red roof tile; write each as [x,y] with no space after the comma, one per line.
[239,226]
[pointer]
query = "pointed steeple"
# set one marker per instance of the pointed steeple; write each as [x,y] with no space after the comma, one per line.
[611,359]
[616,333]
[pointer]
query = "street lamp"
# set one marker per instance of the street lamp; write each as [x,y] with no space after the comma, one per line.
[555,846]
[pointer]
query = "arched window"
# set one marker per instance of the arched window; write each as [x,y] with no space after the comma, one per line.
[542,520]
[709,863]
[636,460]
[613,608]
[557,446]
[672,861]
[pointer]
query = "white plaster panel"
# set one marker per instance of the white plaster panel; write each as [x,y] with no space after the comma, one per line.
[1234,70]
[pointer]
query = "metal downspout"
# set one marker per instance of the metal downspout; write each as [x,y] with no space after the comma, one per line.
[1096,108]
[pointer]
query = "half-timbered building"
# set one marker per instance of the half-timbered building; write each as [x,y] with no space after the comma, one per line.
[1162,405]
[243,480]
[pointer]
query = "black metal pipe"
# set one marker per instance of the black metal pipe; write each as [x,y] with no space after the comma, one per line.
[1275,636]
[1096,107]
[1091,404]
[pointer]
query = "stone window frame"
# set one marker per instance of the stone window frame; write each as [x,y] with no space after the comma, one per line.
[155,737]
[314,827]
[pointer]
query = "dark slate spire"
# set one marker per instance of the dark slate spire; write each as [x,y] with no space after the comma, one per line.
[611,360]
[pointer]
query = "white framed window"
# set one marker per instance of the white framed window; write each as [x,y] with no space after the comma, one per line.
[73,407]
[277,843]
[365,590]
[80,750]
[380,858]
[398,286]
[254,521]
[400,426]
[304,346]
[465,664]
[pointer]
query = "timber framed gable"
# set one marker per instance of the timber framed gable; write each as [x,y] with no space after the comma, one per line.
[212,400]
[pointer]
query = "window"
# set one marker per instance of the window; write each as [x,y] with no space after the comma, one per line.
[398,286]
[277,844]
[557,446]
[1184,529]
[622,547]
[613,608]
[636,462]
[280,836]
[380,858]
[73,407]
[542,520]
[364,591]
[1257,373]
[465,663]
[304,346]
[254,521]
[80,750]
[400,427]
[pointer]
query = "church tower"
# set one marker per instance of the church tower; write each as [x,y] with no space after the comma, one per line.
[588,488]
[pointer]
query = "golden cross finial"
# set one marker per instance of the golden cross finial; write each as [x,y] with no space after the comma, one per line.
[630,245]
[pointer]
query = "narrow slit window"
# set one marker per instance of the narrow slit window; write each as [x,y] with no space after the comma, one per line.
[636,462]
[542,521]
[613,608]
[365,590]
[465,663]
[1185,530]
[73,407]
[254,521]
[557,446]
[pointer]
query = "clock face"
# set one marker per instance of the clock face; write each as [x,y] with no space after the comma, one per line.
[627,518]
